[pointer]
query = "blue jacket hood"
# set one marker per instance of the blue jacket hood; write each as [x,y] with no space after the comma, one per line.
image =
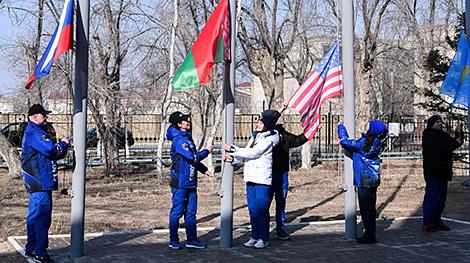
[173,132]
[377,128]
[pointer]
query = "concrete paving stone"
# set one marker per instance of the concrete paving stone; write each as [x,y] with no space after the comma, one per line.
[400,240]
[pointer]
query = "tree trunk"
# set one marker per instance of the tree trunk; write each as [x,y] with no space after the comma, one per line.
[364,99]
[213,131]
[35,93]
[267,46]
[168,94]
[11,157]
[273,86]
[306,156]
[113,126]
[111,152]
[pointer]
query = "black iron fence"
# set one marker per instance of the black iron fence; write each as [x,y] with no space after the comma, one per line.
[405,132]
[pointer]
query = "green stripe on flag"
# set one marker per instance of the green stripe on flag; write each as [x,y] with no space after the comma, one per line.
[186,76]
[219,53]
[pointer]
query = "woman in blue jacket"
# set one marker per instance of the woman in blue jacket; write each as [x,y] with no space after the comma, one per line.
[366,165]
[186,162]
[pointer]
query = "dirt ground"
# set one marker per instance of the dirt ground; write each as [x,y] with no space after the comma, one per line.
[139,200]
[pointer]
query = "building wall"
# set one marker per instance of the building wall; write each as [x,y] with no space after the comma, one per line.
[7,106]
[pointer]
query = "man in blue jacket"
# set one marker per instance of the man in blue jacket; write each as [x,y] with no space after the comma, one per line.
[39,162]
[186,162]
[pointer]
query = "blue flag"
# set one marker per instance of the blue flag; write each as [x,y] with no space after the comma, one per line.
[457,82]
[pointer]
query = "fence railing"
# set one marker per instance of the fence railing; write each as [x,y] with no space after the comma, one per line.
[405,131]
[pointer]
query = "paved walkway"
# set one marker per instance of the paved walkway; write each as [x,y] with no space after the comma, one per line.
[400,240]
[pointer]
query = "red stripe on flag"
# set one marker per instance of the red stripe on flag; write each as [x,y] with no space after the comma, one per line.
[315,91]
[320,89]
[314,96]
[316,85]
[65,42]
[320,100]
[317,94]
[29,83]
[304,89]
[205,46]
[308,125]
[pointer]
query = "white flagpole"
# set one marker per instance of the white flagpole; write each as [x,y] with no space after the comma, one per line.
[349,116]
[226,206]
[79,128]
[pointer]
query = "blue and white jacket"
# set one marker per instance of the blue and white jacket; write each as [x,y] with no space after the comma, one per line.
[366,164]
[39,158]
[185,159]
[257,157]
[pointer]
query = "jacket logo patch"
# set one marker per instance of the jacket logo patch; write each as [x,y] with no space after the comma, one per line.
[45,138]
[185,146]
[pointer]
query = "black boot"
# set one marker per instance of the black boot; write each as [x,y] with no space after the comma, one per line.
[365,240]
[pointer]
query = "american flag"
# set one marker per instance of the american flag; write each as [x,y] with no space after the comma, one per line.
[321,84]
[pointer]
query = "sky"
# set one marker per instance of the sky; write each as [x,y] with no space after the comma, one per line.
[7,82]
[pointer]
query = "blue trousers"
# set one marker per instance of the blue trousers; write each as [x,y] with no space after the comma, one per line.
[367,198]
[279,189]
[434,201]
[258,208]
[38,222]
[184,203]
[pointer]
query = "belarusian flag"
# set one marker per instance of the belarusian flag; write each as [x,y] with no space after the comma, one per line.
[212,46]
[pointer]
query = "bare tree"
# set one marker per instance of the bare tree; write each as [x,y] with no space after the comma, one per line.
[201,101]
[372,14]
[109,49]
[169,91]
[11,156]
[268,30]
[8,151]
[299,62]
[431,26]
[32,52]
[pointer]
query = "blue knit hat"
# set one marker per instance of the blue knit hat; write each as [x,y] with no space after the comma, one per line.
[377,128]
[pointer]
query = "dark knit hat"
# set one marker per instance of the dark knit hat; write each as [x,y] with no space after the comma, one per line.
[432,120]
[377,128]
[269,118]
[177,117]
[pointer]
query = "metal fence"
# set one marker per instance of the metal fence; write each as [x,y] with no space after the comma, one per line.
[405,133]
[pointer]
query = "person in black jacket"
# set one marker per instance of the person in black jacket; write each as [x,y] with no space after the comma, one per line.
[437,166]
[280,179]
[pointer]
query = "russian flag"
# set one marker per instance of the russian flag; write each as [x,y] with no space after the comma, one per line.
[61,41]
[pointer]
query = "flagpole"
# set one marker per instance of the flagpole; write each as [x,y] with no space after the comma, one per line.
[349,116]
[79,128]
[467,32]
[226,210]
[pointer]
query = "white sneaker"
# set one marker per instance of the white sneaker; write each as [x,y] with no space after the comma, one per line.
[250,243]
[261,244]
